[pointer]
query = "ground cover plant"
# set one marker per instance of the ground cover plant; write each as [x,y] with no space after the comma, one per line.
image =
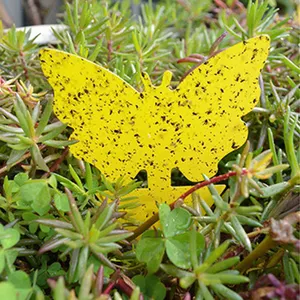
[64,231]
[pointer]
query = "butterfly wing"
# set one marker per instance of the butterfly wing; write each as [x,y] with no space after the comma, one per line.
[99,106]
[213,98]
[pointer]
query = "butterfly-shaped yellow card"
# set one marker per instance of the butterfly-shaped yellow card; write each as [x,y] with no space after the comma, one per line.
[122,131]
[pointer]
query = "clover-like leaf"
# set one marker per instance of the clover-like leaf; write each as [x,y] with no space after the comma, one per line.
[7,291]
[21,282]
[177,248]
[37,194]
[150,286]
[8,237]
[174,222]
[151,251]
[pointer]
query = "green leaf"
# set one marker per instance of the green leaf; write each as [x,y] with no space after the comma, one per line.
[223,265]
[88,176]
[248,221]
[38,158]
[9,237]
[59,289]
[29,216]
[75,177]
[44,118]
[15,155]
[37,193]
[11,256]
[152,234]
[288,135]
[150,286]
[86,284]
[52,181]
[140,281]
[82,261]
[271,190]
[10,187]
[241,233]
[205,291]
[219,202]
[295,270]
[135,294]
[128,189]
[164,211]
[96,51]
[69,184]
[55,131]
[212,257]
[289,64]
[150,251]
[175,222]
[105,216]
[108,184]
[176,272]
[51,222]
[225,278]
[61,202]
[21,282]
[226,292]
[7,291]
[69,234]
[21,110]
[97,263]
[2,260]
[55,269]
[187,281]
[177,248]
[114,238]
[72,276]
[21,178]
[287,268]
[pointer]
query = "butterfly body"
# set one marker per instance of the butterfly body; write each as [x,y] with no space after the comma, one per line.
[191,127]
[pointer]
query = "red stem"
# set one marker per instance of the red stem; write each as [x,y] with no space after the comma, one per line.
[121,285]
[124,287]
[108,289]
[110,50]
[207,182]
[57,163]
[23,61]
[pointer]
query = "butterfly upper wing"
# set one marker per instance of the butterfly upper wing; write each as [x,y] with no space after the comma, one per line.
[213,98]
[99,106]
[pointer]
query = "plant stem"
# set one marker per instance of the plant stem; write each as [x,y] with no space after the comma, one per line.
[124,287]
[208,182]
[110,286]
[259,251]
[57,163]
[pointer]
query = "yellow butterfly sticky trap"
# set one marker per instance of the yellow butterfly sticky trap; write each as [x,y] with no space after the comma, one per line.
[122,131]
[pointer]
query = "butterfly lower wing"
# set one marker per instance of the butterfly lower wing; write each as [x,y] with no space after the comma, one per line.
[215,96]
[99,106]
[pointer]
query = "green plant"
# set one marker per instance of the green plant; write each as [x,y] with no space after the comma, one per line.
[64,229]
